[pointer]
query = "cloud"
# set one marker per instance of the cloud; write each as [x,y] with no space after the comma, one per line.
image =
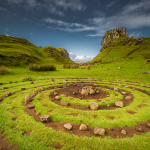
[7,34]
[135,34]
[80,58]
[52,6]
[111,4]
[3,9]
[69,27]
[132,16]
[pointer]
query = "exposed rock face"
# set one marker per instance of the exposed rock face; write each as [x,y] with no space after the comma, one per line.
[113,35]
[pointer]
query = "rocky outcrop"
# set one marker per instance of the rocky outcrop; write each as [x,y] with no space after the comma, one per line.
[113,35]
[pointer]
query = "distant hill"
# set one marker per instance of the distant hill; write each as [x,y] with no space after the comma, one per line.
[80,63]
[17,52]
[117,46]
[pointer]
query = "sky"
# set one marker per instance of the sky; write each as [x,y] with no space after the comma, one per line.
[76,25]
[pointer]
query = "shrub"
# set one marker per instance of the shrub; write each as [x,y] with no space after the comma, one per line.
[36,67]
[3,70]
[70,66]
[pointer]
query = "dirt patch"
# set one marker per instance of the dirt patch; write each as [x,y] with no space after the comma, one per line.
[130,112]
[68,91]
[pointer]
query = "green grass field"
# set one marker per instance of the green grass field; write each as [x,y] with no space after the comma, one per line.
[25,132]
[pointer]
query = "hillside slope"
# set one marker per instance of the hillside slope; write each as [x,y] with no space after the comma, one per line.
[117,46]
[18,52]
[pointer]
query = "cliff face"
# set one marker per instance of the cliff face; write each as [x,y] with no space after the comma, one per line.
[113,35]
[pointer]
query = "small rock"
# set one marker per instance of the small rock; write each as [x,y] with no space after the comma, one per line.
[139,129]
[143,90]
[119,68]
[55,93]
[74,93]
[64,104]
[92,92]
[123,93]
[123,132]
[45,118]
[5,88]
[83,127]
[7,93]
[87,107]
[68,126]
[23,88]
[33,94]
[31,106]
[97,91]
[108,105]
[126,86]
[119,103]
[52,79]
[94,106]
[99,131]
[128,98]
[57,97]
[28,99]
[108,95]
[37,114]
[115,89]
[148,124]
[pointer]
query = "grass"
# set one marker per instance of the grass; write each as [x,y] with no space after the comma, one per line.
[44,136]
[14,121]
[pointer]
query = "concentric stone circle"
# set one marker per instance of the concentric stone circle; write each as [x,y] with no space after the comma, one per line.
[116,120]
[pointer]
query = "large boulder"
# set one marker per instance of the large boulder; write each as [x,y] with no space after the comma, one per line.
[28,99]
[99,131]
[94,106]
[119,103]
[45,118]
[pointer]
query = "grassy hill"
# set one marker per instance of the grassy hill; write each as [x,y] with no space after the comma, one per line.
[20,52]
[123,49]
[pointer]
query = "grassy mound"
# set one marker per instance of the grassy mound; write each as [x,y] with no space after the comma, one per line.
[20,52]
